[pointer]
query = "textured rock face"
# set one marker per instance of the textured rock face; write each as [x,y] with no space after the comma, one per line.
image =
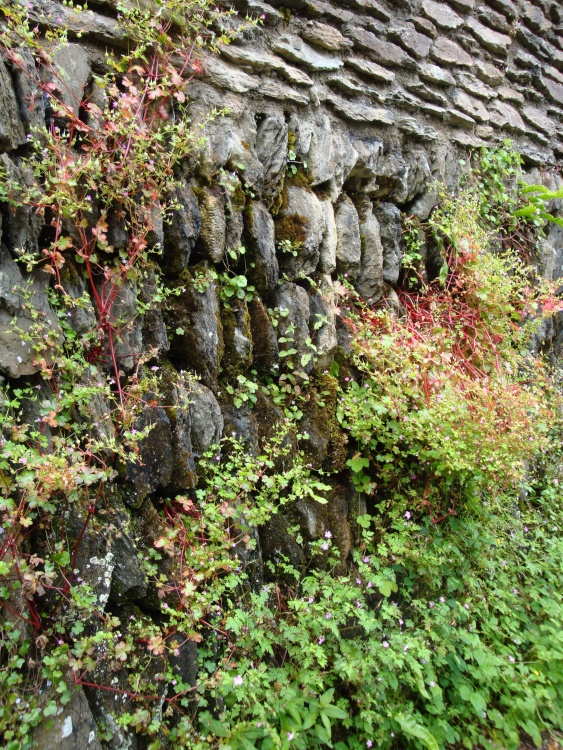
[341,115]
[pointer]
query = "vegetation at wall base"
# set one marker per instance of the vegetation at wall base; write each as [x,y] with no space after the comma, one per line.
[443,626]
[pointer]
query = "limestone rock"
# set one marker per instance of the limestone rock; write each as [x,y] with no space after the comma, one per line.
[446,52]
[349,246]
[412,41]
[327,259]
[322,323]
[383,52]
[194,319]
[372,7]
[300,222]
[126,338]
[21,300]
[507,117]
[181,233]
[71,728]
[264,341]
[12,132]
[153,468]
[369,281]
[263,61]
[24,224]
[325,36]
[488,73]
[271,146]
[227,76]
[441,15]
[237,337]
[261,246]
[294,299]
[435,74]
[389,219]
[213,223]
[293,48]
[28,92]
[371,69]
[471,106]
[492,40]
[361,111]
[72,63]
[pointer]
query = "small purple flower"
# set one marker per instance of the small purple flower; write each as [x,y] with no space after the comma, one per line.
[432,683]
[328,535]
[311,599]
[321,640]
[466,606]
[324,546]
[407,515]
[290,736]
[366,560]
[511,659]
[385,644]
[442,599]
[237,680]
[431,604]
[369,743]
[515,592]
[328,616]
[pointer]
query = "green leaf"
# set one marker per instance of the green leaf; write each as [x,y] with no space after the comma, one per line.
[61,558]
[357,464]
[387,587]
[409,726]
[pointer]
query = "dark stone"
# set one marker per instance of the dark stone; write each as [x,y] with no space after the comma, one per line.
[181,233]
[261,247]
[390,227]
[71,728]
[264,341]
[23,225]
[237,337]
[12,132]
[153,467]
[194,320]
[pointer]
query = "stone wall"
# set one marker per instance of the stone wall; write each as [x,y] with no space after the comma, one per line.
[373,101]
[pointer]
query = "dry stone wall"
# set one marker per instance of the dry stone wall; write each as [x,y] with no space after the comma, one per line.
[341,116]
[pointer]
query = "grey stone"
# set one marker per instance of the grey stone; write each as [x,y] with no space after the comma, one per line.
[361,111]
[346,85]
[510,95]
[505,6]
[128,581]
[271,16]
[371,69]
[264,341]
[301,221]
[551,89]
[293,48]
[441,15]
[126,335]
[507,117]
[243,158]
[383,52]
[153,330]
[425,26]
[460,119]
[488,73]
[85,22]
[213,223]
[236,334]
[369,282]
[24,224]
[227,76]
[538,119]
[81,316]
[325,36]
[72,65]
[275,90]
[206,418]
[195,320]
[349,246]
[475,87]
[428,94]
[152,468]
[465,6]
[370,6]
[494,20]
[321,154]
[389,218]
[534,18]
[471,106]
[28,92]
[412,41]
[491,40]
[181,233]
[322,322]
[12,131]
[24,307]
[263,61]
[435,74]
[295,300]
[72,727]
[417,129]
[271,145]
[261,245]
[449,53]
[327,253]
